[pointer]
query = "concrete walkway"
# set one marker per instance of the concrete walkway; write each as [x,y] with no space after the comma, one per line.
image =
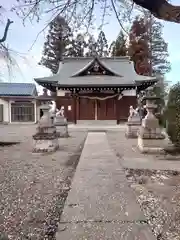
[100,205]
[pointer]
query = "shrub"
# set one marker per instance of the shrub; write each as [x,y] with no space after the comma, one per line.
[173,114]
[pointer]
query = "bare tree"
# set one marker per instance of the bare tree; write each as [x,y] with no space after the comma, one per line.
[78,13]
[4,37]
[82,12]
[7,54]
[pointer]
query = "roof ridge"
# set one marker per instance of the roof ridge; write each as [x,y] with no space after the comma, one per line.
[92,58]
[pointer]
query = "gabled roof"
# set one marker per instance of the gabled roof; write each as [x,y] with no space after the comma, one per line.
[122,67]
[101,64]
[18,89]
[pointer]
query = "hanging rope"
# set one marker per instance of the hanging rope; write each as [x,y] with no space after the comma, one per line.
[101,98]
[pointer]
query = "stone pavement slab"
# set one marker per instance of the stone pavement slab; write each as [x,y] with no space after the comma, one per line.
[99,190]
[100,197]
[104,231]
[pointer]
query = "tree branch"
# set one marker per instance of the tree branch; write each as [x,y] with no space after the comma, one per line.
[3,39]
[161,9]
[117,16]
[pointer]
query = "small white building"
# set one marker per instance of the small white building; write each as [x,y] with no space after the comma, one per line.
[18,103]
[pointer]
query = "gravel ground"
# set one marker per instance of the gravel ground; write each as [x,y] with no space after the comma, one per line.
[124,147]
[158,193]
[33,187]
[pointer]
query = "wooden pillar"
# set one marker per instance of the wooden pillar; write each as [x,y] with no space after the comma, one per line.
[117,111]
[96,109]
[75,109]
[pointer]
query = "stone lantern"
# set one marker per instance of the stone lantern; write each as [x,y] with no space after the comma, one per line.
[46,138]
[150,137]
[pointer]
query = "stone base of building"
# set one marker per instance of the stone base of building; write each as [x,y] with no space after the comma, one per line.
[48,145]
[151,145]
[132,130]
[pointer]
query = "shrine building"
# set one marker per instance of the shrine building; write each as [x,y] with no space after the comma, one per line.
[99,88]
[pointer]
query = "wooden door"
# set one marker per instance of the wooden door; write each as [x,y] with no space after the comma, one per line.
[101,109]
[86,109]
[106,109]
[111,109]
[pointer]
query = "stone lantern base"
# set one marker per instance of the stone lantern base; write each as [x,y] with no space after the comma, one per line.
[133,126]
[46,138]
[62,126]
[151,141]
[151,145]
[132,129]
[45,142]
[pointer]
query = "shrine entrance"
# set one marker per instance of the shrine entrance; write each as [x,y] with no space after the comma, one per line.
[106,109]
[95,109]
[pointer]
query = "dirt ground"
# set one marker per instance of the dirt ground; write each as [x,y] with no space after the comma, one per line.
[33,187]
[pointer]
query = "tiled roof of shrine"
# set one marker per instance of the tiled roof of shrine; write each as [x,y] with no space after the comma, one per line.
[73,72]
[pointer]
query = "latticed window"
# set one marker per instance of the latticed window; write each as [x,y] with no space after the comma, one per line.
[22,112]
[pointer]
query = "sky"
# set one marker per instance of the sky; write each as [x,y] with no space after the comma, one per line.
[20,40]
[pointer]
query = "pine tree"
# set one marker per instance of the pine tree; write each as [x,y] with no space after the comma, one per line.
[118,47]
[55,47]
[102,45]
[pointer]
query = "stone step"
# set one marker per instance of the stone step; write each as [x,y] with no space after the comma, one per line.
[97,122]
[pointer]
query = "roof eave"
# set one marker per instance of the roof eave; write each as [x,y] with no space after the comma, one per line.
[17,96]
[94,85]
[44,80]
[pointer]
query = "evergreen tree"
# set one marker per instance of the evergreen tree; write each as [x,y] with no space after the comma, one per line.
[159,50]
[102,45]
[55,47]
[78,46]
[91,47]
[118,47]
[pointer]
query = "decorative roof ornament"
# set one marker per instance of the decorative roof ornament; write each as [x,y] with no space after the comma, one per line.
[96,67]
